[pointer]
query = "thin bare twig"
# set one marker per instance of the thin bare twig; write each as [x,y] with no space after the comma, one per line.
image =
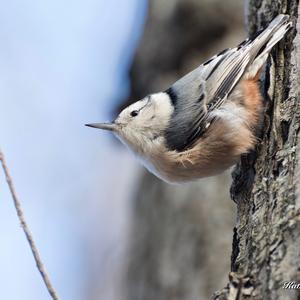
[26,230]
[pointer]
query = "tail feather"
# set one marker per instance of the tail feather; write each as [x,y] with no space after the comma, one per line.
[274,33]
[265,41]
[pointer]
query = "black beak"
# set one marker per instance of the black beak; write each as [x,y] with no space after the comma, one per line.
[104,126]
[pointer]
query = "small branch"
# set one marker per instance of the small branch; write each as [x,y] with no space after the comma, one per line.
[26,230]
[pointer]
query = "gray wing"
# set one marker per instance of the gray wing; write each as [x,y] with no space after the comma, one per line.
[206,88]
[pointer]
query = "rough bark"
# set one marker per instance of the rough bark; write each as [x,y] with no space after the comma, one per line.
[266,241]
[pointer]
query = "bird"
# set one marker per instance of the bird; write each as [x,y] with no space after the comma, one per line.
[201,125]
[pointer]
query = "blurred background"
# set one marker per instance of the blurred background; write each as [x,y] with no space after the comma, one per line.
[105,228]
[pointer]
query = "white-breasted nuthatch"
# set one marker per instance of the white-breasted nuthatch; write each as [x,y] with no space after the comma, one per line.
[203,123]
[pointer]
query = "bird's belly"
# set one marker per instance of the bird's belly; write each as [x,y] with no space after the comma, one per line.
[181,171]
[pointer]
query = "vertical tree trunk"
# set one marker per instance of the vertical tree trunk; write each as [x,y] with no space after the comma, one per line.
[266,241]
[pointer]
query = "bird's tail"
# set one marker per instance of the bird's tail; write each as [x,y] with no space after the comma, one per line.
[265,41]
[274,33]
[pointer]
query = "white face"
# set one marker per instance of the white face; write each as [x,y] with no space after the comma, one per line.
[144,121]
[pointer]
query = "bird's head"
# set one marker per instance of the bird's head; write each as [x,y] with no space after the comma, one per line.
[143,123]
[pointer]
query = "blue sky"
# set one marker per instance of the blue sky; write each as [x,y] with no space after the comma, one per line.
[63,64]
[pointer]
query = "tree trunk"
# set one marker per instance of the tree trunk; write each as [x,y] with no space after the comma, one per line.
[180,234]
[266,241]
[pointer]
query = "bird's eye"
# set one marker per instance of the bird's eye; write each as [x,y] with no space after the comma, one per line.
[134,113]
